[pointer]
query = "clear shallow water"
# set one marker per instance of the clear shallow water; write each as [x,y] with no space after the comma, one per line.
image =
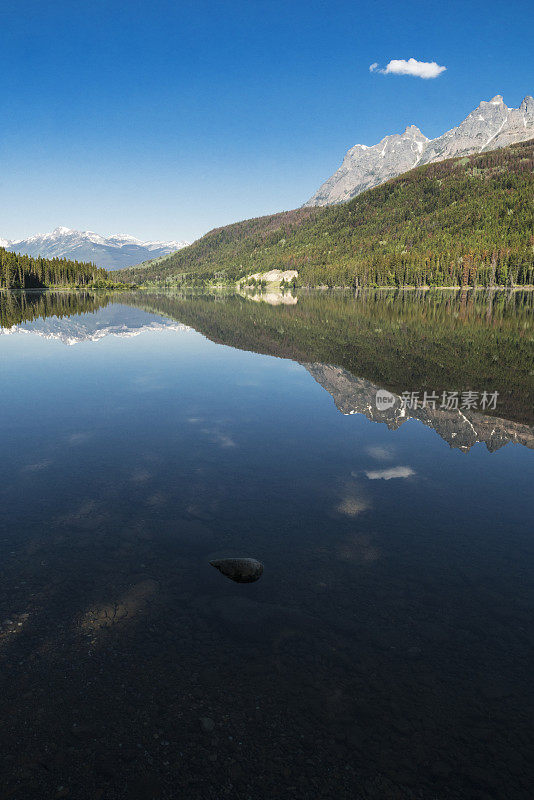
[386,651]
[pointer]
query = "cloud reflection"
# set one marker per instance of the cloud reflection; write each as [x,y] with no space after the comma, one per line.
[38,466]
[388,474]
[358,548]
[380,453]
[353,501]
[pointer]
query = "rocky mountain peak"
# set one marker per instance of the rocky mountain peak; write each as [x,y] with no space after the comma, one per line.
[414,130]
[371,165]
[489,126]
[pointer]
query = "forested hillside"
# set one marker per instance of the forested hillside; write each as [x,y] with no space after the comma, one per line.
[467,221]
[24,272]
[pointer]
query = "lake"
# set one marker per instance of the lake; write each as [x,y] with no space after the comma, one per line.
[375,451]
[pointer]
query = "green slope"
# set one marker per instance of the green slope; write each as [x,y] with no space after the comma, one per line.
[456,222]
[211,255]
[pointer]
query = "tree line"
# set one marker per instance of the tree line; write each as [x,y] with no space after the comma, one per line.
[18,271]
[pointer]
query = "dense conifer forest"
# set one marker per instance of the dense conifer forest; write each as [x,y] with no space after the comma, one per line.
[18,271]
[462,222]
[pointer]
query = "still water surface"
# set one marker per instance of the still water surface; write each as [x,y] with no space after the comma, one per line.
[387,650]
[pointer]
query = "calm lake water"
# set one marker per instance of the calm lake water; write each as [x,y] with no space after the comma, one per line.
[387,650]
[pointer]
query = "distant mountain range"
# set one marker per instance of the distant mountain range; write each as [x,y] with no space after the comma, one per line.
[490,126]
[113,252]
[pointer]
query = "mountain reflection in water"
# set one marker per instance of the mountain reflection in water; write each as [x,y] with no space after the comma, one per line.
[429,327]
[460,428]
[385,654]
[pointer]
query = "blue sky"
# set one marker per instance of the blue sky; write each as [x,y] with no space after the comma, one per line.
[165,119]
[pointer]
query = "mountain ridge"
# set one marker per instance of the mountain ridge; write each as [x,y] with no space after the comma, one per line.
[113,252]
[490,126]
[459,222]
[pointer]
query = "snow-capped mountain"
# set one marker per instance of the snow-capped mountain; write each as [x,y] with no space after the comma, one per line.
[491,125]
[113,252]
[112,320]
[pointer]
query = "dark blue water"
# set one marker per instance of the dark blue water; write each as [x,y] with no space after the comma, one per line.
[385,653]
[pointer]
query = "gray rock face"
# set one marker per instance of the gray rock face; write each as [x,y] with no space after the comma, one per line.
[488,127]
[364,167]
[461,429]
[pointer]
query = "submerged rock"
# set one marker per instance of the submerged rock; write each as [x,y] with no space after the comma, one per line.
[241,570]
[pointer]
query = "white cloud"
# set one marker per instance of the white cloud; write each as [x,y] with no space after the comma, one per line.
[218,437]
[359,548]
[387,474]
[419,69]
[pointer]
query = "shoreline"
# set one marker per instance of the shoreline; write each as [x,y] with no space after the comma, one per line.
[323,288]
[231,287]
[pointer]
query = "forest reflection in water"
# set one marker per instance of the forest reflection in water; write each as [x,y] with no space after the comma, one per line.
[409,342]
[385,651]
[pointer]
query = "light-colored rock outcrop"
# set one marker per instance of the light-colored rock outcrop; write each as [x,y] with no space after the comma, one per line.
[273,276]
